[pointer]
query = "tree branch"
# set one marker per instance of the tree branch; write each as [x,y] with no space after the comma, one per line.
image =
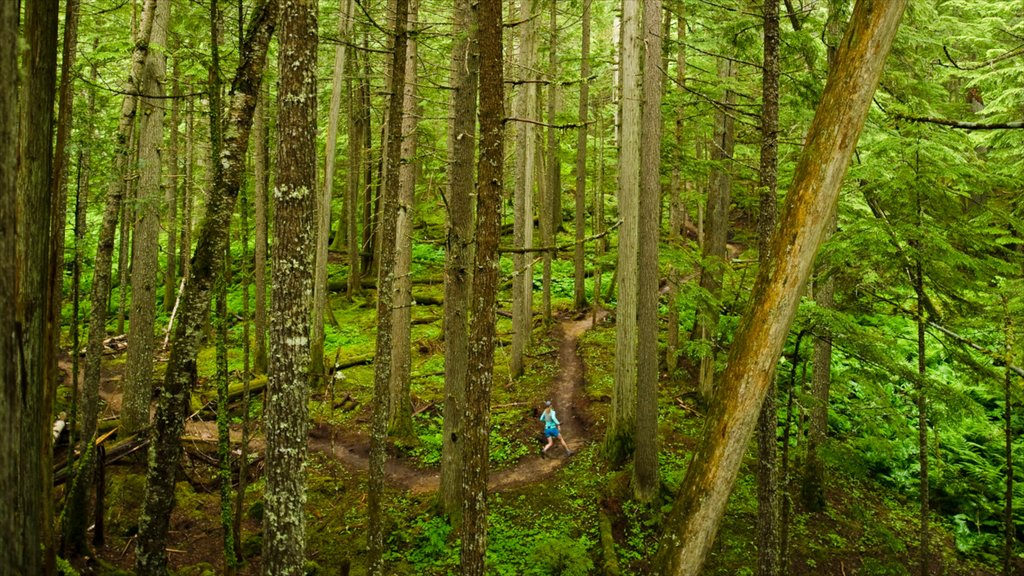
[961,125]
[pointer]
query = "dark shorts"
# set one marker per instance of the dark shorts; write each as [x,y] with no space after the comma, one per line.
[551,432]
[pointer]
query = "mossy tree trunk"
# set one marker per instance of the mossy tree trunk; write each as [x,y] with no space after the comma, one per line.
[180,376]
[490,173]
[285,417]
[261,205]
[693,523]
[12,554]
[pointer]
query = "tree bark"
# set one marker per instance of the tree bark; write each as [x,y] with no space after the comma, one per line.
[12,524]
[714,247]
[104,256]
[355,171]
[138,383]
[385,296]
[695,517]
[25,217]
[323,204]
[464,75]
[675,203]
[480,374]
[622,426]
[645,464]
[171,199]
[180,376]
[525,107]
[551,217]
[286,418]
[580,194]
[768,421]
[261,177]
[400,404]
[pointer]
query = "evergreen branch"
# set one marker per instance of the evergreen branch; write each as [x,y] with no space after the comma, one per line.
[961,125]
[994,60]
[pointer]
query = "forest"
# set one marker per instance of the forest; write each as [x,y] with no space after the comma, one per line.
[522,287]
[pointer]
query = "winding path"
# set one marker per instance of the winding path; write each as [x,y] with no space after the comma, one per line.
[352,449]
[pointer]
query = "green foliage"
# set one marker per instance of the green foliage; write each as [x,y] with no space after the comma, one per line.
[559,556]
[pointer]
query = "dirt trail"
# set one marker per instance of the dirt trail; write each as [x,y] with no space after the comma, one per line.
[353,449]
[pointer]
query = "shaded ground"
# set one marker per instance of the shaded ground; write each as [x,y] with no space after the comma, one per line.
[353,448]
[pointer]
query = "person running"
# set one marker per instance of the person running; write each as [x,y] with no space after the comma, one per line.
[552,429]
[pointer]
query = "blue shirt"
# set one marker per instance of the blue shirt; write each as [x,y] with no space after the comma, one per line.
[549,419]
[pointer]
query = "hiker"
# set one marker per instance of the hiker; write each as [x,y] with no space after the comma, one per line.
[552,429]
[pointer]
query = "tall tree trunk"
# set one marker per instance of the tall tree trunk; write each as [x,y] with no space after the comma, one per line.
[458,274]
[693,523]
[28,392]
[526,174]
[768,421]
[400,404]
[714,248]
[676,208]
[645,465]
[385,294]
[812,488]
[622,427]
[171,197]
[104,260]
[323,204]
[187,197]
[342,81]
[551,216]
[355,172]
[580,195]
[138,383]
[180,376]
[480,373]
[286,418]
[261,204]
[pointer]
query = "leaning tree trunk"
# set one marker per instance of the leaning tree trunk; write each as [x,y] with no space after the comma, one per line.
[580,195]
[526,174]
[400,404]
[285,419]
[173,397]
[693,523]
[645,464]
[138,383]
[768,420]
[621,428]
[480,374]
[458,274]
[385,296]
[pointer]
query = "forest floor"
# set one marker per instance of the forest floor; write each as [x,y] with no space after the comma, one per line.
[544,512]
